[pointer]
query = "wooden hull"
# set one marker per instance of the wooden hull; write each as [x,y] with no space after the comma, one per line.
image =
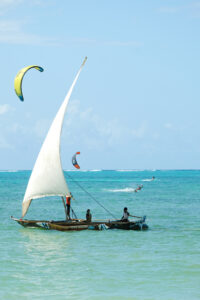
[128,225]
[77,225]
[54,225]
[68,227]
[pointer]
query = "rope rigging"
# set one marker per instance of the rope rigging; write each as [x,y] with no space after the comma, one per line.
[92,197]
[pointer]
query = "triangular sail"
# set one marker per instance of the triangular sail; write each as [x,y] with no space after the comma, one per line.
[47,178]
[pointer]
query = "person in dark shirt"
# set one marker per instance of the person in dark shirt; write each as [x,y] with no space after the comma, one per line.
[88,216]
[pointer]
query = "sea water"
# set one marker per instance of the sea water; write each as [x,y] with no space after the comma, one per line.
[161,263]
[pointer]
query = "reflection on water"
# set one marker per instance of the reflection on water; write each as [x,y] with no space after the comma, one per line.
[44,241]
[46,248]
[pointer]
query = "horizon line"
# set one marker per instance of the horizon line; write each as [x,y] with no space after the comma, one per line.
[97,170]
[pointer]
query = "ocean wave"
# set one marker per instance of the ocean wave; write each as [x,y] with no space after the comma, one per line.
[146,179]
[128,170]
[125,190]
[67,170]
[137,170]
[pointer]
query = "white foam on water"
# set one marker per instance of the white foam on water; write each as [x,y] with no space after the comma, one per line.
[75,170]
[79,170]
[125,190]
[147,180]
[129,170]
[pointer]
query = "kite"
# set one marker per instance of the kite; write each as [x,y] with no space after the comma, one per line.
[19,78]
[74,161]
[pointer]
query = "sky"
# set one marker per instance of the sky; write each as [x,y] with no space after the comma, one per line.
[136,103]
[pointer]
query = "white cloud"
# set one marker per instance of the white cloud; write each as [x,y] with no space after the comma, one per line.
[81,127]
[95,42]
[9,3]
[41,127]
[15,32]
[6,5]
[16,127]
[4,109]
[87,127]
[12,32]
[93,130]
[73,108]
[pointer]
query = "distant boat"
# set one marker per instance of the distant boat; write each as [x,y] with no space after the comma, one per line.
[47,179]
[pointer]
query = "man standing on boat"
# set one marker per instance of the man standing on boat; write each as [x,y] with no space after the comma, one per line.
[68,205]
[126,215]
[88,216]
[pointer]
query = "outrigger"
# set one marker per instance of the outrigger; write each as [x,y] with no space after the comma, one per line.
[47,179]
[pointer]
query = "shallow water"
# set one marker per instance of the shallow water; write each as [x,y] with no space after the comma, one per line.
[162,263]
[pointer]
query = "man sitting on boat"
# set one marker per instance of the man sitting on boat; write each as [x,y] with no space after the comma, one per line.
[126,215]
[88,216]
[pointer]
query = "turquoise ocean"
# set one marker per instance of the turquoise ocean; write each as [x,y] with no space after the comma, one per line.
[162,263]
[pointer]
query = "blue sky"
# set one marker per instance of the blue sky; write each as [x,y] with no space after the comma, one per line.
[136,104]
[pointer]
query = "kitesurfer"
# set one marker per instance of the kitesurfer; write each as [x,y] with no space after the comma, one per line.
[139,188]
[88,216]
[126,214]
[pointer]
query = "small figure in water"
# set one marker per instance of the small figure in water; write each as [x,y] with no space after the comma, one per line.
[153,177]
[126,215]
[138,188]
[88,216]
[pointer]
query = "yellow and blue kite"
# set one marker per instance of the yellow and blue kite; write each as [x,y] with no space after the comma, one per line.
[19,78]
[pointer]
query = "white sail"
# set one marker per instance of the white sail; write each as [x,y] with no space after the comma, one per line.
[47,178]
